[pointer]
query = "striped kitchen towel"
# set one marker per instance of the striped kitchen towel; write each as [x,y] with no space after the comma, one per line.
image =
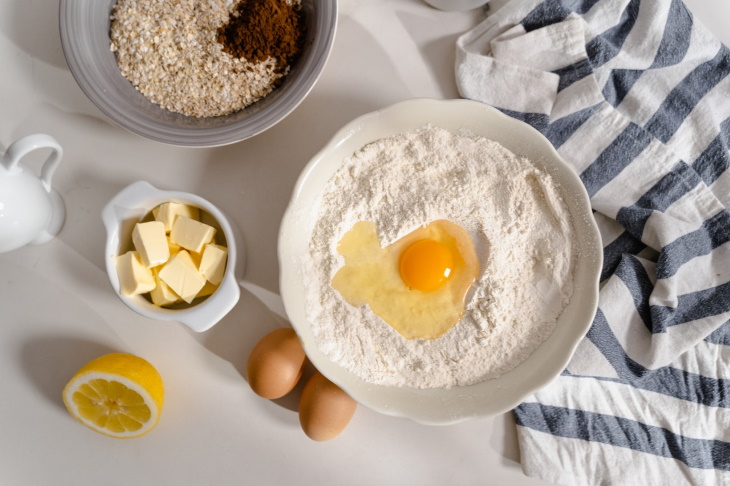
[635,95]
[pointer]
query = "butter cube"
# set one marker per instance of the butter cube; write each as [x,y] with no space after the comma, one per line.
[162,294]
[134,278]
[174,248]
[167,212]
[182,276]
[190,234]
[196,257]
[150,241]
[207,289]
[213,263]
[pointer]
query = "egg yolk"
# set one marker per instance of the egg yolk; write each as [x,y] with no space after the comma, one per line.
[417,284]
[426,265]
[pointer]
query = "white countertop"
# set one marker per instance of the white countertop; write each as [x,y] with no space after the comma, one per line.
[58,311]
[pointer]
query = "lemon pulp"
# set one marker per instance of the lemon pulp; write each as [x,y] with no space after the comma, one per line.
[111,405]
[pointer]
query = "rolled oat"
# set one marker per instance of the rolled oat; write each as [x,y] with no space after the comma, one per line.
[169,51]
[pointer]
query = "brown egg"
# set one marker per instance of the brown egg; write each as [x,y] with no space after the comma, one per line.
[275,364]
[324,409]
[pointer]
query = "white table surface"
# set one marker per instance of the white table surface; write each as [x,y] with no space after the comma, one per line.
[57,309]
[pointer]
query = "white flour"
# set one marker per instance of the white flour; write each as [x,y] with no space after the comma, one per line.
[521,229]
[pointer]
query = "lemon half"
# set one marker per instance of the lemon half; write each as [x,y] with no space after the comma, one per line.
[118,394]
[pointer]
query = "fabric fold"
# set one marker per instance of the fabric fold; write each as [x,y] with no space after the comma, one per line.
[634,94]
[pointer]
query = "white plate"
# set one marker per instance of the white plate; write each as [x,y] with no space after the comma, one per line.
[442,406]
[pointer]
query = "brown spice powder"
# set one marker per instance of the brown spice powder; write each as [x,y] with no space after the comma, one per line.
[259,29]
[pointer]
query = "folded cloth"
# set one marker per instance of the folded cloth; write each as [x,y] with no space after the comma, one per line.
[635,95]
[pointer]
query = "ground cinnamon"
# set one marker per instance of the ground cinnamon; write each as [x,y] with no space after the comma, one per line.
[259,29]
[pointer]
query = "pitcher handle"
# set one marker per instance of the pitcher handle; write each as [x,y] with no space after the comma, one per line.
[27,144]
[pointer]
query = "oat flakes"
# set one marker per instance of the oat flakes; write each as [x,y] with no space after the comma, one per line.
[169,51]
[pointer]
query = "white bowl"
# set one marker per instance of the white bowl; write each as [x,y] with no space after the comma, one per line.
[490,397]
[131,206]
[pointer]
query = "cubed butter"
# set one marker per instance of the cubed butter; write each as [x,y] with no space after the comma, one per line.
[181,274]
[207,289]
[134,277]
[213,263]
[174,248]
[196,257]
[190,234]
[168,212]
[162,294]
[150,241]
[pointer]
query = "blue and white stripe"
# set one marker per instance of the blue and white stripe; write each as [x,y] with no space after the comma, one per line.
[635,96]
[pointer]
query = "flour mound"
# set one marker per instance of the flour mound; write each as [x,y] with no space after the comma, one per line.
[521,229]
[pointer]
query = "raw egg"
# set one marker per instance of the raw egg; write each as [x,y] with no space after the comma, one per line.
[418,284]
[324,409]
[275,364]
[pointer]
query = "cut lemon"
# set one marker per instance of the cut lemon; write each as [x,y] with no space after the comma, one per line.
[118,394]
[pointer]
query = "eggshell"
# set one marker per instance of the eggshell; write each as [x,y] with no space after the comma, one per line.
[324,409]
[275,364]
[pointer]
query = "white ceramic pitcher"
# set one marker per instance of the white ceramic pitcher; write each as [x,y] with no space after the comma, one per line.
[31,212]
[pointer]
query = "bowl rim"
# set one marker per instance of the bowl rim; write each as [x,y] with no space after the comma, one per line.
[196,137]
[362,391]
